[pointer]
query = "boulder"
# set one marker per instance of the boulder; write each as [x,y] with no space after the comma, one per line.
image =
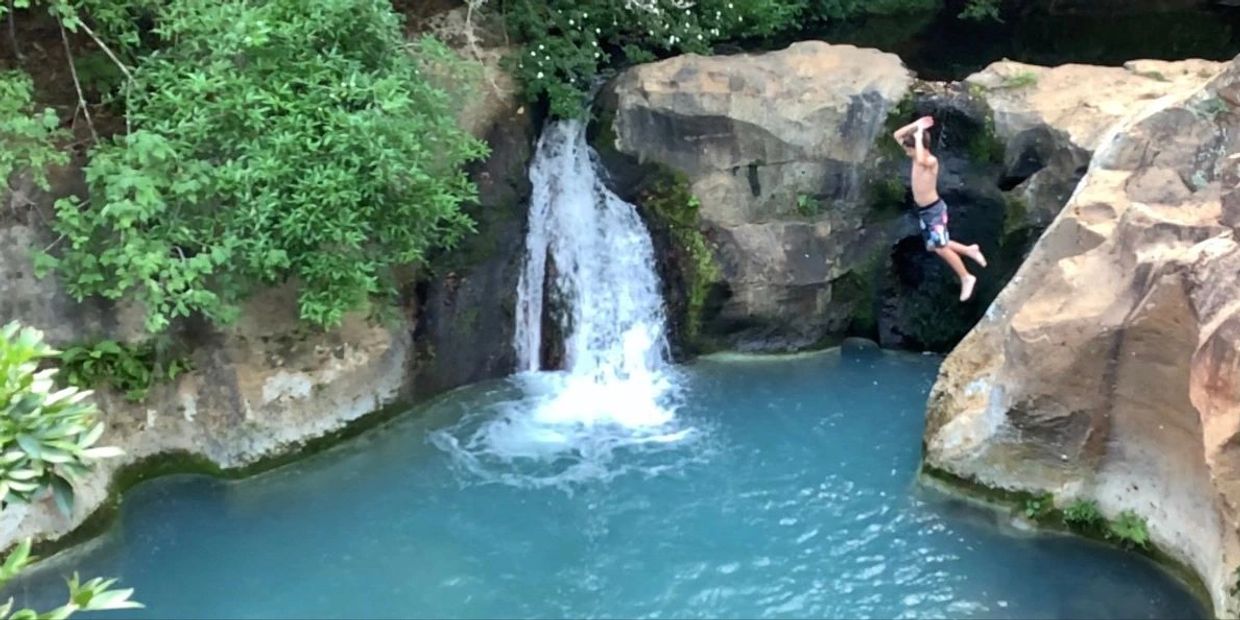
[1108,368]
[774,146]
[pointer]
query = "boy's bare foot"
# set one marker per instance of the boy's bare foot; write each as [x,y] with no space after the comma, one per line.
[966,287]
[975,253]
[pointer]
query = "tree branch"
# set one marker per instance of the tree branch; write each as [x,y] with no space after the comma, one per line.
[107,50]
[77,85]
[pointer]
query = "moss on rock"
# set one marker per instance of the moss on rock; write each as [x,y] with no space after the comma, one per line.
[1049,516]
[670,201]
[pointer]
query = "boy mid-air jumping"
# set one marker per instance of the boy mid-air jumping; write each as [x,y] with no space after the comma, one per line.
[931,210]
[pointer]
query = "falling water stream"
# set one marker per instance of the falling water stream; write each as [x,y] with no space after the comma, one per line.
[616,391]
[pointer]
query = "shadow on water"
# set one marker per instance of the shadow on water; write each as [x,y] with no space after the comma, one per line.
[940,46]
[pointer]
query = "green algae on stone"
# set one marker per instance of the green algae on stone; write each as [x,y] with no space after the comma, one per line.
[1056,519]
[671,202]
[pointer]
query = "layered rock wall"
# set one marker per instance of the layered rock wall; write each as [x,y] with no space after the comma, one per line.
[1107,369]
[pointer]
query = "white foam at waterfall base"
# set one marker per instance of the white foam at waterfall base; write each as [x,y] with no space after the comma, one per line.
[615,396]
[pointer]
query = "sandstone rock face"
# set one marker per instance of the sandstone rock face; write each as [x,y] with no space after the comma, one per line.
[774,146]
[1052,119]
[1109,368]
[807,207]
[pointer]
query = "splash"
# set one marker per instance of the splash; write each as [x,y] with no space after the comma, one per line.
[616,392]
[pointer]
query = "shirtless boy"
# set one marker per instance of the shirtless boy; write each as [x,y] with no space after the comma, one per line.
[931,210]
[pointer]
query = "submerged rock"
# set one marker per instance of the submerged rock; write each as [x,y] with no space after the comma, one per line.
[1107,368]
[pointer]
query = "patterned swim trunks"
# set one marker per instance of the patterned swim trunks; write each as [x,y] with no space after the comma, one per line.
[933,221]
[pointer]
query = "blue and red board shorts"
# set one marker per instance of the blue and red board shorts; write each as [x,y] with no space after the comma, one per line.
[933,221]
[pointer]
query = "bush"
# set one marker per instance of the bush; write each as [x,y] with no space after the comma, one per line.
[568,42]
[129,369]
[1129,529]
[26,134]
[1083,514]
[1039,506]
[47,436]
[272,140]
[47,440]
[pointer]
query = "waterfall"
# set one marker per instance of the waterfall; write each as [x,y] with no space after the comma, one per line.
[616,388]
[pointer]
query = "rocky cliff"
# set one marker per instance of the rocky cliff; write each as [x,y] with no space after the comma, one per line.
[268,384]
[802,199]
[1108,368]
[774,147]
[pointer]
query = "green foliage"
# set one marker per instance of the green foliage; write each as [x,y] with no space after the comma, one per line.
[932,314]
[677,207]
[808,206]
[26,134]
[272,140]
[981,9]
[1083,514]
[94,595]
[1129,529]
[47,436]
[902,114]
[1039,506]
[1024,79]
[47,440]
[129,369]
[1015,214]
[568,42]
[887,199]
[984,147]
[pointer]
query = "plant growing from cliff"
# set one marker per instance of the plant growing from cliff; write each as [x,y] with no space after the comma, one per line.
[984,146]
[1024,79]
[27,135]
[129,369]
[1039,506]
[1083,514]
[981,9]
[675,206]
[1209,108]
[271,141]
[808,206]
[1129,529]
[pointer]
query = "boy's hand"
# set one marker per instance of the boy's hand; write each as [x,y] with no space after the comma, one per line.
[925,122]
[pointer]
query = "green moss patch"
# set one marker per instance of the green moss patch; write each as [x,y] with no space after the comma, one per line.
[1081,517]
[669,200]
[181,462]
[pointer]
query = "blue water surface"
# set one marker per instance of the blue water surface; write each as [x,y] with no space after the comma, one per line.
[795,496]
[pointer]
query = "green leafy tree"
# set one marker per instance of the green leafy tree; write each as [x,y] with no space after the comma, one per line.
[47,441]
[272,140]
[27,135]
[568,42]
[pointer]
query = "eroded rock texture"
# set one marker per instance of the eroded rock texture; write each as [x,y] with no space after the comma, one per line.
[1108,368]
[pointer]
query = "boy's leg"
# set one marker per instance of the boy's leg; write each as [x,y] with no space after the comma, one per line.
[953,260]
[972,251]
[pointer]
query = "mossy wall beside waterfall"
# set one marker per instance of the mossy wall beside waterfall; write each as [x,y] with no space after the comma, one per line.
[670,202]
